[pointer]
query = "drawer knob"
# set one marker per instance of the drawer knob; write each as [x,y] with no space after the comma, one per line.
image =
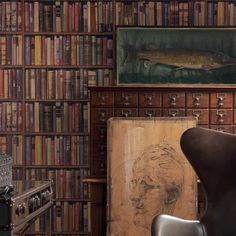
[196,101]
[126,113]
[148,99]
[220,101]
[173,99]
[197,114]
[150,113]
[173,113]
[220,118]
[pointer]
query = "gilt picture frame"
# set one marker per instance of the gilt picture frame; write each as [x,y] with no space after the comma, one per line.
[176,56]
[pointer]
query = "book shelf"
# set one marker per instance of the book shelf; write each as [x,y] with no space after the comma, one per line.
[50,52]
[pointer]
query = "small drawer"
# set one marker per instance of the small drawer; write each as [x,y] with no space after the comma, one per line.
[126,112]
[99,148]
[223,128]
[126,99]
[102,99]
[174,100]
[197,100]
[202,115]
[99,132]
[221,117]
[173,112]
[150,112]
[101,115]
[98,166]
[222,100]
[149,99]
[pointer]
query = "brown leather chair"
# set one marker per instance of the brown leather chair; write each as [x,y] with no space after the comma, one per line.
[213,156]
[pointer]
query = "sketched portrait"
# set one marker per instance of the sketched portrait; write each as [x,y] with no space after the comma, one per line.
[157,182]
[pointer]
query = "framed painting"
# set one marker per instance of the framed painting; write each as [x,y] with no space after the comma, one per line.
[181,56]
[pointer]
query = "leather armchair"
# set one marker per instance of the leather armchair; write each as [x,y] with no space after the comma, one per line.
[213,156]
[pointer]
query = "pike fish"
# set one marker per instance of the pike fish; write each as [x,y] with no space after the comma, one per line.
[195,60]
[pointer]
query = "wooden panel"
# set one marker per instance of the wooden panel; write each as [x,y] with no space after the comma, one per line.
[126,112]
[174,100]
[173,112]
[197,100]
[202,115]
[126,99]
[222,100]
[150,99]
[100,115]
[149,112]
[102,99]
[221,116]
[147,173]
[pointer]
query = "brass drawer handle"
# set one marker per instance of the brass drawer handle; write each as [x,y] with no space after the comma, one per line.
[173,99]
[220,101]
[126,113]
[220,118]
[196,101]
[173,113]
[150,113]
[126,99]
[102,99]
[102,116]
[197,114]
[148,99]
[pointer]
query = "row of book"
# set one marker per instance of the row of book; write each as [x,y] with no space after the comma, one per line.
[11,16]
[17,174]
[41,117]
[64,177]
[64,83]
[51,83]
[11,50]
[68,184]
[12,145]
[11,116]
[10,84]
[176,13]
[68,16]
[55,117]
[66,216]
[56,150]
[68,50]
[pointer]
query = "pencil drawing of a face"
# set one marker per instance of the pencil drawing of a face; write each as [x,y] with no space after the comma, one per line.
[156,184]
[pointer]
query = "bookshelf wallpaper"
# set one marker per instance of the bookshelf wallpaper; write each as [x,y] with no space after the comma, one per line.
[50,52]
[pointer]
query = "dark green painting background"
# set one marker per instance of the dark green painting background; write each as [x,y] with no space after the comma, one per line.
[130,41]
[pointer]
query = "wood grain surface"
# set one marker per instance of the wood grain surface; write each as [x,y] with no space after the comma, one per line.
[147,173]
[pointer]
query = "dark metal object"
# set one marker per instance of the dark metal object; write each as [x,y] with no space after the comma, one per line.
[213,156]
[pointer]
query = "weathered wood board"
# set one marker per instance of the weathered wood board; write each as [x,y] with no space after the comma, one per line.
[147,174]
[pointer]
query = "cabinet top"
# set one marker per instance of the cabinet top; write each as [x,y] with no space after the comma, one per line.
[167,88]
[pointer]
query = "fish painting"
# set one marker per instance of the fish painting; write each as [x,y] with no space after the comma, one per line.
[186,59]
